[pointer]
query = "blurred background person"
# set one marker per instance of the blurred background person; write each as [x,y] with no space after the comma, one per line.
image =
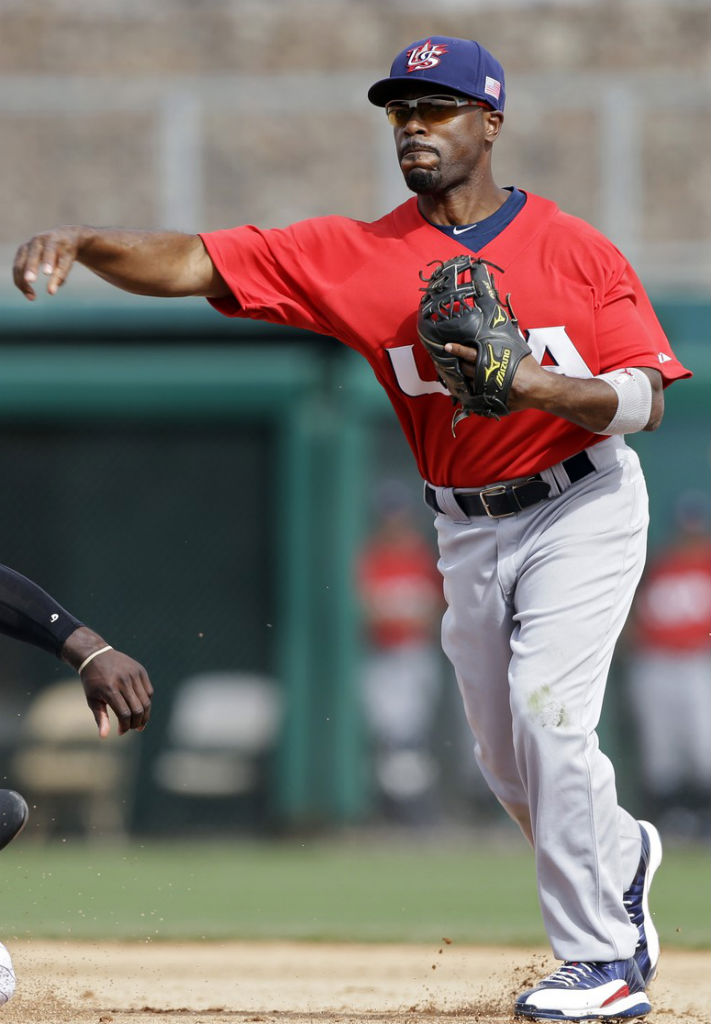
[669,673]
[401,596]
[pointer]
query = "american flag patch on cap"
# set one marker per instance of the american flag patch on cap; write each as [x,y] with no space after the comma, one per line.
[492,87]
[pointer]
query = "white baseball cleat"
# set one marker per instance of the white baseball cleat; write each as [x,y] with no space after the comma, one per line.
[587,991]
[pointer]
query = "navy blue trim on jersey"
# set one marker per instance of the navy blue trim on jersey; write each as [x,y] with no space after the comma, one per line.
[476,236]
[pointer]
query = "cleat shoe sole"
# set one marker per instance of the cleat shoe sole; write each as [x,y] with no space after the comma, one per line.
[636,1005]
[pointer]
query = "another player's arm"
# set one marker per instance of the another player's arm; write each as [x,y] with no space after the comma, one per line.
[110,679]
[590,403]
[160,263]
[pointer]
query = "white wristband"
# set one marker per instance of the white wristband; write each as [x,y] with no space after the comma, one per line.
[85,662]
[634,400]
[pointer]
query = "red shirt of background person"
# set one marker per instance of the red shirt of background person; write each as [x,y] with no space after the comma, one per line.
[673,606]
[399,585]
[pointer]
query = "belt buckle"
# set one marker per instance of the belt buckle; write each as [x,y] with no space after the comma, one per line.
[491,491]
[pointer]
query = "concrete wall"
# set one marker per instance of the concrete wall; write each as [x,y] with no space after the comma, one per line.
[194,115]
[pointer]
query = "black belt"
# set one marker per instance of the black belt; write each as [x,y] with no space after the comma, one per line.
[501,500]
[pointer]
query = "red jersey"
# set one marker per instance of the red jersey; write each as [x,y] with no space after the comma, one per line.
[673,607]
[578,301]
[401,590]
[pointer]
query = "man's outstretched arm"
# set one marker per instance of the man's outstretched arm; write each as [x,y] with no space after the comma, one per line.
[161,263]
[110,678]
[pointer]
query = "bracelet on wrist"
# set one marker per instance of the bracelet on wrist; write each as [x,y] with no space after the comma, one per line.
[85,662]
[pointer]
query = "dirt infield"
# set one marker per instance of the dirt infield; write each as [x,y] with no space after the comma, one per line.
[301,983]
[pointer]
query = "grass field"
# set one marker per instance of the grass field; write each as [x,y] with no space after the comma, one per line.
[404,889]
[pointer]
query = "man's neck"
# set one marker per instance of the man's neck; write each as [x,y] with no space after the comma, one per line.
[464,205]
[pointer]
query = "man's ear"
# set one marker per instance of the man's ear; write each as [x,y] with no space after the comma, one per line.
[494,121]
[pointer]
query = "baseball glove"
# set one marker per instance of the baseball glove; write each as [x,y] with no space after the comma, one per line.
[460,304]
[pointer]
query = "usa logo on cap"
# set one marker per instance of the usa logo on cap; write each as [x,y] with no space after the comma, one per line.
[426,56]
[448,64]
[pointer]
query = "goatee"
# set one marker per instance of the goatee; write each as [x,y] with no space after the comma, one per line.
[422,181]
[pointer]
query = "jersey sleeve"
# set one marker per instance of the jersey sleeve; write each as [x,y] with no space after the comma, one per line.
[277,275]
[30,614]
[628,331]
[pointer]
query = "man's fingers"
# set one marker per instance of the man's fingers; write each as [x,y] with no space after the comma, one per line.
[147,684]
[50,254]
[143,687]
[131,705]
[461,351]
[133,693]
[138,712]
[22,273]
[48,257]
[144,692]
[48,261]
[466,354]
[115,700]
[101,717]
[123,713]
[59,270]
[33,255]
[122,684]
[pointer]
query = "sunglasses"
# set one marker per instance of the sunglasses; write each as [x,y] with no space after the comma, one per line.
[433,109]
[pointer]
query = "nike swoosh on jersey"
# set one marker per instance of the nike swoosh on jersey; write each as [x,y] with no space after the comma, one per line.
[460,231]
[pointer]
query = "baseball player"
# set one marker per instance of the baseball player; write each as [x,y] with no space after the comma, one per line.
[110,679]
[540,507]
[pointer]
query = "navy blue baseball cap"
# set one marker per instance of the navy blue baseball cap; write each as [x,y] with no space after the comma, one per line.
[461,65]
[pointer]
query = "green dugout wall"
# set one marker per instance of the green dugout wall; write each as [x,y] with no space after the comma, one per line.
[197,488]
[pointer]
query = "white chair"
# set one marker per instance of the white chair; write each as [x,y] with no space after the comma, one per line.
[70,777]
[221,727]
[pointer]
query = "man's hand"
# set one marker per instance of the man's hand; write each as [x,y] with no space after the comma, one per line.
[110,680]
[166,264]
[51,253]
[527,380]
